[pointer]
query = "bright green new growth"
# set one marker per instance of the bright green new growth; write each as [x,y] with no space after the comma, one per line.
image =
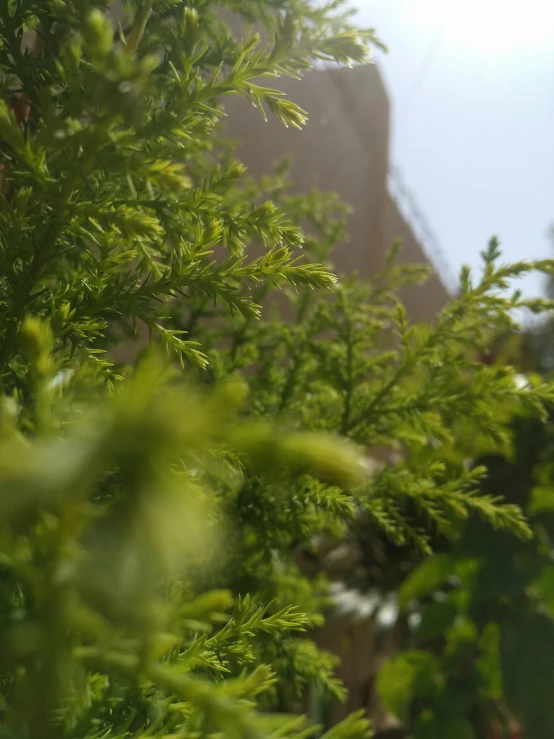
[116,203]
[148,578]
[416,394]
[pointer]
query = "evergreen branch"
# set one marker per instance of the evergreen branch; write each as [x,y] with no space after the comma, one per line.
[234,719]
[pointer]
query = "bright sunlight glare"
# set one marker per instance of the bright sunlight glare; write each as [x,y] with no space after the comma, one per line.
[488,25]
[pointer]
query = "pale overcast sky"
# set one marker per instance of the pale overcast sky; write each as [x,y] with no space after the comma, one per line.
[472,89]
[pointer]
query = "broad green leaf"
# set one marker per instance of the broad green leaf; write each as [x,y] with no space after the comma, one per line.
[488,662]
[542,500]
[426,578]
[403,678]
[543,587]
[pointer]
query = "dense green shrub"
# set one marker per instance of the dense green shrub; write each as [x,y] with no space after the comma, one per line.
[150,523]
[481,612]
[115,207]
[351,362]
[437,417]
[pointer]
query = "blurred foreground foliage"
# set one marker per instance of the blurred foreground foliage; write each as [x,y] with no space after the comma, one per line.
[153,510]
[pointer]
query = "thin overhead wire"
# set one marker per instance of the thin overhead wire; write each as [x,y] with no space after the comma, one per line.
[423,68]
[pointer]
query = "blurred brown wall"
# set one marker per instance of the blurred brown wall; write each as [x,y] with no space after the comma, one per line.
[344,149]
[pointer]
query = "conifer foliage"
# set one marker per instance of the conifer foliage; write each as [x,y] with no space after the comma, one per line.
[151,513]
[114,210]
[419,395]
